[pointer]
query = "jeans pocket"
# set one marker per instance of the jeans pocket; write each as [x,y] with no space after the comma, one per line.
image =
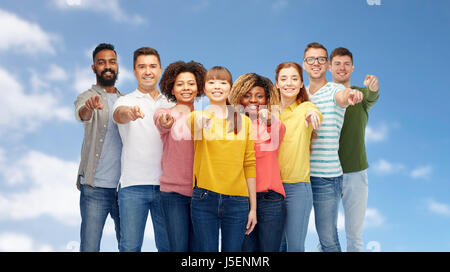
[199,194]
[272,196]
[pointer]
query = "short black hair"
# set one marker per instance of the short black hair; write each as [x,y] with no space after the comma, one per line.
[102,46]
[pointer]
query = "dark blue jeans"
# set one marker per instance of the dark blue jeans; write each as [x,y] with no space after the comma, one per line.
[210,212]
[267,235]
[95,205]
[176,210]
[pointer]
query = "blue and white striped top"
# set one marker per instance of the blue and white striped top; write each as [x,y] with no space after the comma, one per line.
[324,156]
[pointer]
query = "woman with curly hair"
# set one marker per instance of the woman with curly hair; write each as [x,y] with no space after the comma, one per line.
[258,97]
[181,83]
[224,196]
[300,117]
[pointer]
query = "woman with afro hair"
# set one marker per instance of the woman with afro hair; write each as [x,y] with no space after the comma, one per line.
[181,83]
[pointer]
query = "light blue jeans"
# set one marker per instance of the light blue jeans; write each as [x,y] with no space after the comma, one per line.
[134,204]
[299,203]
[355,188]
[326,198]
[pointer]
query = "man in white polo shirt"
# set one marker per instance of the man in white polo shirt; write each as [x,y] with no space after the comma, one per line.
[141,154]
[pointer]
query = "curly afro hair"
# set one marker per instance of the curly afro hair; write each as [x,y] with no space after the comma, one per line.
[174,69]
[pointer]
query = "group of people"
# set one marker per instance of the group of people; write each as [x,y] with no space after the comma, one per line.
[251,165]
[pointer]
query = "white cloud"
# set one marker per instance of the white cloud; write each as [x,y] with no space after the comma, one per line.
[26,111]
[384,167]
[111,9]
[423,172]
[376,134]
[21,36]
[373,218]
[51,190]
[438,208]
[56,73]
[16,242]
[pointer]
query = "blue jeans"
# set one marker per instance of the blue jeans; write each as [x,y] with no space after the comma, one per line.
[134,205]
[210,212]
[355,189]
[267,234]
[176,210]
[95,205]
[326,197]
[299,203]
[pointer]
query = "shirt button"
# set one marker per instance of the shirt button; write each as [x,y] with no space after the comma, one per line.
[101,140]
[104,125]
[96,155]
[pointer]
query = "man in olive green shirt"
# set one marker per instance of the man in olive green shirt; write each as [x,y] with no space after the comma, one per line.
[352,150]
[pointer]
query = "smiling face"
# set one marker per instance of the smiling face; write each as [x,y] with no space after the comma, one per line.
[315,70]
[147,71]
[185,88]
[289,83]
[217,90]
[341,68]
[106,67]
[253,99]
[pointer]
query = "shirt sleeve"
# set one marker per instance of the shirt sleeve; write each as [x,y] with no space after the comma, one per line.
[79,103]
[156,116]
[335,89]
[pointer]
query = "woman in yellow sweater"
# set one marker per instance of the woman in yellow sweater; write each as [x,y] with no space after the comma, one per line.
[300,118]
[224,195]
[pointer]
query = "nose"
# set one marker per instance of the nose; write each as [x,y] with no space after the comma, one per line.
[253,99]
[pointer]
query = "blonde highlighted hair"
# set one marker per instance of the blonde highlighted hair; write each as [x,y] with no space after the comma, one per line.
[246,82]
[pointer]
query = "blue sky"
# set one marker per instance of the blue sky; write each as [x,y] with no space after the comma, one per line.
[45,52]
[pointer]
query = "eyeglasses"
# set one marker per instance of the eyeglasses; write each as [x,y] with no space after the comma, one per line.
[312,60]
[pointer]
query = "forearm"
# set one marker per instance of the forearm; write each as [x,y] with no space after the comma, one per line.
[85,113]
[121,115]
[251,185]
[341,98]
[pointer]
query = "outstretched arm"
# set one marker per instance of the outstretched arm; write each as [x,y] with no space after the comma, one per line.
[348,97]
[125,114]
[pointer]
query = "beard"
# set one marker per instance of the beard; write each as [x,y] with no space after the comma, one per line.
[105,81]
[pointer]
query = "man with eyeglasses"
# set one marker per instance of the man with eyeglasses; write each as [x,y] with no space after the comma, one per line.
[352,150]
[325,168]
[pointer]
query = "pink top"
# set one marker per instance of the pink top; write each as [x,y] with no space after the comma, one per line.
[178,154]
[267,145]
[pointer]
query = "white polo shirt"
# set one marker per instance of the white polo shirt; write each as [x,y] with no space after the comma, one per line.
[142,145]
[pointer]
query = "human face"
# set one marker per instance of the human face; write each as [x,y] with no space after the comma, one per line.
[289,83]
[316,70]
[147,71]
[217,90]
[341,68]
[106,68]
[253,99]
[185,88]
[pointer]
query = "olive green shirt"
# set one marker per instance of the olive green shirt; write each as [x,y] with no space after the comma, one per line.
[352,148]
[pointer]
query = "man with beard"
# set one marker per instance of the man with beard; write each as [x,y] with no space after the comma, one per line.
[99,170]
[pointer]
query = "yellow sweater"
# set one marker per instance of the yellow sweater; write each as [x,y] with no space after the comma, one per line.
[294,153]
[222,160]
